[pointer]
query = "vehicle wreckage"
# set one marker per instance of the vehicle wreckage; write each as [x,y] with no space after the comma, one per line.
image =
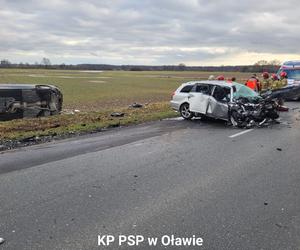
[27,100]
[251,111]
[229,101]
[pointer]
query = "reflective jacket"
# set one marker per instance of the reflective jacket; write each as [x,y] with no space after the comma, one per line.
[253,83]
[283,82]
[275,84]
[266,84]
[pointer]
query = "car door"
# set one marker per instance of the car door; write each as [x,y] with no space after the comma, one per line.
[218,102]
[198,97]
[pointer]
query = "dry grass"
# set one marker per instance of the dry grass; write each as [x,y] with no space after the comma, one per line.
[81,122]
[109,89]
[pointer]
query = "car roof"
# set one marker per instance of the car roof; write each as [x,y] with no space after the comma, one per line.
[213,82]
[292,63]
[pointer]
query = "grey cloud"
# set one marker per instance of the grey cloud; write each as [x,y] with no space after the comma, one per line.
[142,32]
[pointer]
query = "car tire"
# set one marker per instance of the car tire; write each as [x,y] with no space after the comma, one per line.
[185,111]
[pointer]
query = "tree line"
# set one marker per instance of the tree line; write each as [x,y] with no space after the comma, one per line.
[260,66]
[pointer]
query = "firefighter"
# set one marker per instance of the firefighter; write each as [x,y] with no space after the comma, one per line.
[274,82]
[265,84]
[253,83]
[283,79]
[220,78]
[282,83]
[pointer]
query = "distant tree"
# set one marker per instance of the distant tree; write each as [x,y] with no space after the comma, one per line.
[135,69]
[5,62]
[46,62]
[181,66]
[261,63]
[275,62]
[62,66]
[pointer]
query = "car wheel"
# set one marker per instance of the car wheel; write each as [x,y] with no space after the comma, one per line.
[185,111]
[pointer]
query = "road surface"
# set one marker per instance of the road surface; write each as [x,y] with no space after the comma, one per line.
[236,189]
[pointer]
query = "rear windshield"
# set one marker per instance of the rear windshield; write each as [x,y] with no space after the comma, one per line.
[243,91]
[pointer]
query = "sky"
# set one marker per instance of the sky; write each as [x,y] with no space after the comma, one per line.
[149,32]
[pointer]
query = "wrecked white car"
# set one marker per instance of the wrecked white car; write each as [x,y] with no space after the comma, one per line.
[205,98]
[25,100]
[229,101]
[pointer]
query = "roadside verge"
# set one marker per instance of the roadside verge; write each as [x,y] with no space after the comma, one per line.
[23,132]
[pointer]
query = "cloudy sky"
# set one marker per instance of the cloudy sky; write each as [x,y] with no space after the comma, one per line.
[194,32]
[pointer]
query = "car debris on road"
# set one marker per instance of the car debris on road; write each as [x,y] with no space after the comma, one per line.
[136,105]
[117,114]
[28,100]
[2,240]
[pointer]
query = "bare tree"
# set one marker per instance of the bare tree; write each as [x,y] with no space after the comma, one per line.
[181,66]
[5,62]
[275,62]
[46,62]
[261,62]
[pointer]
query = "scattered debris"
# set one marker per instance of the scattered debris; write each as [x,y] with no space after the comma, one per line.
[117,114]
[2,241]
[70,111]
[283,109]
[30,139]
[136,105]
[280,225]
[279,149]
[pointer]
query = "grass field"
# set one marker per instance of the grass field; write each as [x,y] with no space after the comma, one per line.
[86,91]
[96,94]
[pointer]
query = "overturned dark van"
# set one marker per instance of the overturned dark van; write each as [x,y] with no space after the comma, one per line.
[26,100]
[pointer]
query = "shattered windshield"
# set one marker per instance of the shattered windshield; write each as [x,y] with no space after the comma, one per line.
[243,91]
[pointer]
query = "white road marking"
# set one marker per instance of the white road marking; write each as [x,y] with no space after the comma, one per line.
[241,133]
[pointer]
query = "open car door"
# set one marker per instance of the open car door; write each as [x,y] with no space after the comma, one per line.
[218,102]
[199,97]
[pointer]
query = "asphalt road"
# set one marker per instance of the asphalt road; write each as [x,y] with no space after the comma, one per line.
[236,189]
